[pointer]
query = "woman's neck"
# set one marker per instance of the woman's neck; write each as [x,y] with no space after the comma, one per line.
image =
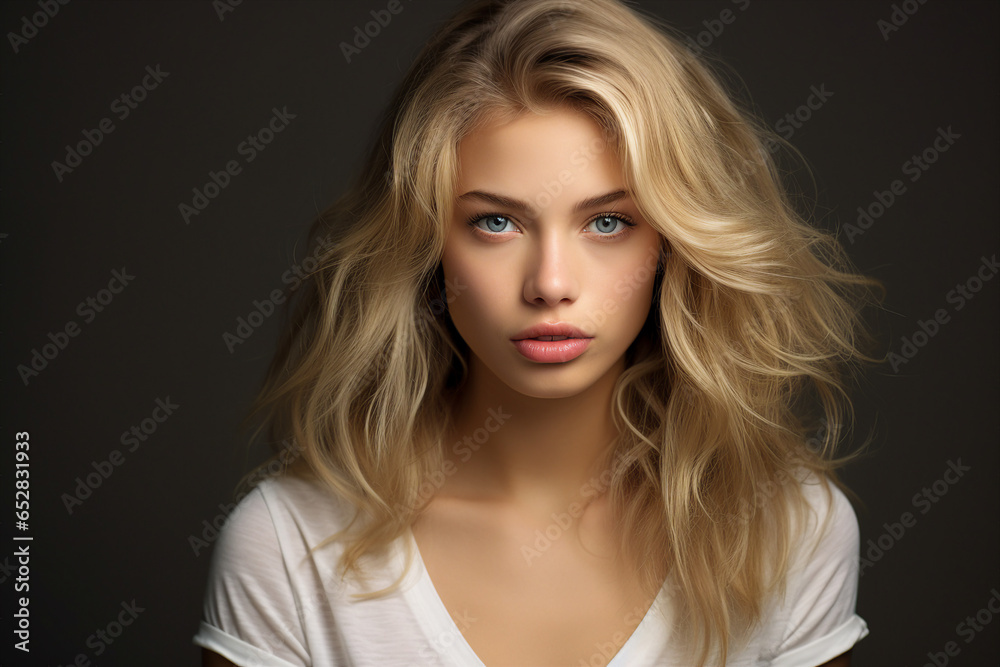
[541,454]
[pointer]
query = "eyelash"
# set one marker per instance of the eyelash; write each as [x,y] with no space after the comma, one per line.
[629,224]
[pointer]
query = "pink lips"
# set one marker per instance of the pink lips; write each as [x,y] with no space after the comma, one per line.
[536,343]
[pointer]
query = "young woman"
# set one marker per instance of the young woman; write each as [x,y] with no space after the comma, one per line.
[565,385]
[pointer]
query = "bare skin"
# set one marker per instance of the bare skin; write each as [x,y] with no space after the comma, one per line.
[520,598]
[568,605]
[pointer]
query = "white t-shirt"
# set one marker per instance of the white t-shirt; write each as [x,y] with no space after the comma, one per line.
[270,603]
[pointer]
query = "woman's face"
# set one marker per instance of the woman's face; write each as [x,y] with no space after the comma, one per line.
[553,239]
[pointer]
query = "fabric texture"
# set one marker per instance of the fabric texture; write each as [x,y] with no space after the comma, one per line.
[272,602]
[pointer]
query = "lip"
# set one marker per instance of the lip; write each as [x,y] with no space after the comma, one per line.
[551,329]
[552,351]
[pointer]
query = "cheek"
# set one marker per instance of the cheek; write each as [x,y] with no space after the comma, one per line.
[475,293]
[629,291]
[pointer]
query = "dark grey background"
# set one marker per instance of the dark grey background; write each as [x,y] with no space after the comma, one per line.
[162,335]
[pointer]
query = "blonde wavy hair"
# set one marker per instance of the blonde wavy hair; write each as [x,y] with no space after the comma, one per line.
[755,333]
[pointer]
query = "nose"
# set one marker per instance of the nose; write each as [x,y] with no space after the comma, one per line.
[551,275]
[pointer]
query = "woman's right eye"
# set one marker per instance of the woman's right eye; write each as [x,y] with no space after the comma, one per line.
[494,224]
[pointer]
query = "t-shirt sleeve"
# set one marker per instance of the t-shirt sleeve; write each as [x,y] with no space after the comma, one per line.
[821,622]
[250,613]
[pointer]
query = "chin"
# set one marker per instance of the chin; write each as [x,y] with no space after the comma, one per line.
[537,380]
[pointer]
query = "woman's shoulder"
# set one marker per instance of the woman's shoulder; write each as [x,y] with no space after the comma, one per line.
[303,492]
[259,579]
[282,509]
[829,524]
[275,525]
[815,619]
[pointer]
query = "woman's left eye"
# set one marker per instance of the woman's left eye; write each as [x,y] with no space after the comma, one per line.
[607,224]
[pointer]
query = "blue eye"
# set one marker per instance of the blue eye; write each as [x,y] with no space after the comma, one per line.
[491,226]
[605,224]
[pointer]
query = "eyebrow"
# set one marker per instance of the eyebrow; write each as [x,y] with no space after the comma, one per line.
[523,207]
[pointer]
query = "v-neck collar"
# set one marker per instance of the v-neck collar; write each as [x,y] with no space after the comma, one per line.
[448,641]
